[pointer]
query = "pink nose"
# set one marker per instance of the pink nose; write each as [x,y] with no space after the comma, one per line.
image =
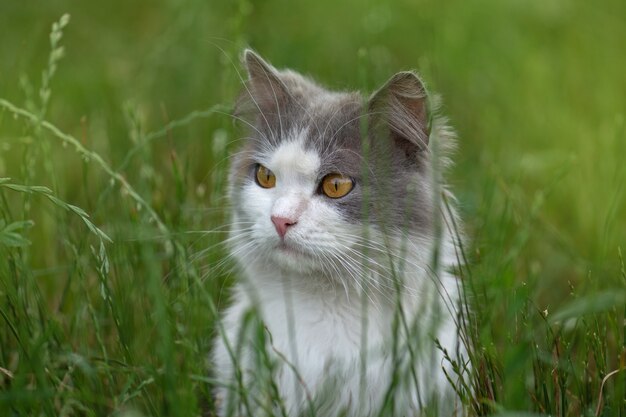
[282,224]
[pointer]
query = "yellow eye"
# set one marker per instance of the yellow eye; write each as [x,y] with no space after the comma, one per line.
[337,185]
[264,177]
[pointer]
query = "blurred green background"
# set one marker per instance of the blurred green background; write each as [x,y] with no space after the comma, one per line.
[535,89]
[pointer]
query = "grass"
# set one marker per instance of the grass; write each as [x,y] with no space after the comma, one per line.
[115,135]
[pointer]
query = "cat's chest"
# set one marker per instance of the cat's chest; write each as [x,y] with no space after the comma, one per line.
[321,325]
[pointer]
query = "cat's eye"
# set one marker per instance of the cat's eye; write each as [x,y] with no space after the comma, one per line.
[336,185]
[264,177]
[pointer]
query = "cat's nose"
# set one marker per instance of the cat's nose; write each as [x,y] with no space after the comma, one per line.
[282,224]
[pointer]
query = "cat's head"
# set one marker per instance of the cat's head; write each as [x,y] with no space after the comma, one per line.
[323,175]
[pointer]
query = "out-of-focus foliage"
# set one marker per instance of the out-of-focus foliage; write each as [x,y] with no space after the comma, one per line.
[535,89]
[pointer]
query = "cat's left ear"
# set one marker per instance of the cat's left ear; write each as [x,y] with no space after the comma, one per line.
[264,88]
[401,105]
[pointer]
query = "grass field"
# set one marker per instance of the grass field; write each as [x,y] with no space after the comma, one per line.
[114,137]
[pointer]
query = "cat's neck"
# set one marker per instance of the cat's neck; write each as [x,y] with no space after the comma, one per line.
[265,285]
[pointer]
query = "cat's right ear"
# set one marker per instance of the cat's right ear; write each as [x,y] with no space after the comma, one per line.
[401,106]
[265,92]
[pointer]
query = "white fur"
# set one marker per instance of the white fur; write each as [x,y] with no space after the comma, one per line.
[326,320]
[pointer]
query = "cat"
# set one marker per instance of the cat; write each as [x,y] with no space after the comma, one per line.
[345,235]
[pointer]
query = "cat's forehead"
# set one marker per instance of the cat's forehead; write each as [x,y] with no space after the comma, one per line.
[319,123]
[331,111]
[294,157]
[332,121]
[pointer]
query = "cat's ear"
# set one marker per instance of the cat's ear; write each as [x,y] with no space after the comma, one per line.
[401,106]
[265,90]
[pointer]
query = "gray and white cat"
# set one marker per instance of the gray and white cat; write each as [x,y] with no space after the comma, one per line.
[345,248]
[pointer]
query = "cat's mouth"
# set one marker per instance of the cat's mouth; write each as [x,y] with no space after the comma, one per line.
[292,257]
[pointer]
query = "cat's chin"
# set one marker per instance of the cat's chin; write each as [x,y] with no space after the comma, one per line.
[289,250]
[290,257]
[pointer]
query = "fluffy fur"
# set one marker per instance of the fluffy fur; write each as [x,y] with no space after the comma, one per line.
[340,316]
